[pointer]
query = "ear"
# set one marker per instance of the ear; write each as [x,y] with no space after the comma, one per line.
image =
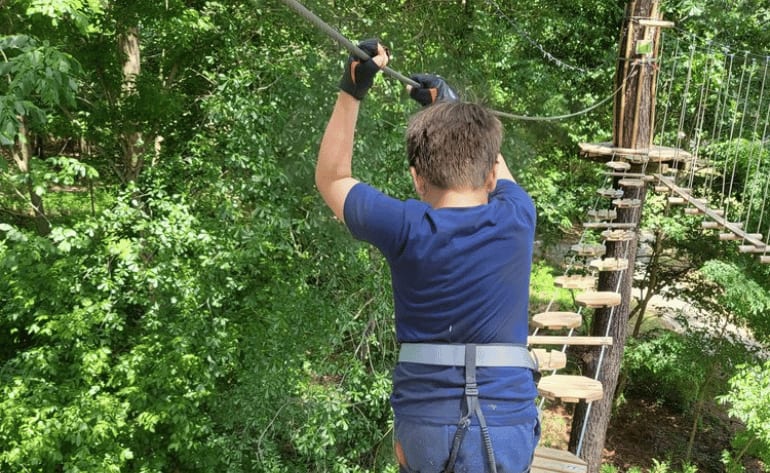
[417,181]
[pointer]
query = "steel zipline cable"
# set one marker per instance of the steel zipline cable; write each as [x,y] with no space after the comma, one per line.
[302,11]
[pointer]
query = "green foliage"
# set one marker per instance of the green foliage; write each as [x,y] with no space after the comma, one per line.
[666,366]
[544,291]
[658,466]
[124,346]
[39,78]
[79,11]
[741,295]
[746,398]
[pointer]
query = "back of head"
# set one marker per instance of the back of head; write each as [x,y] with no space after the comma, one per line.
[454,145]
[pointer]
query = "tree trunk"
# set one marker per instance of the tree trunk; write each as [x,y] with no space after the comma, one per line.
[594,418]
[22,155]
[132,139]
[632,128]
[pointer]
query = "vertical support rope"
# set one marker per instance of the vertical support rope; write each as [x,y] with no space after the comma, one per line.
[670,80]
[751,183]
[716,131]
[685,93]
[697,131]
[740,135]
[763,156]
[726,198]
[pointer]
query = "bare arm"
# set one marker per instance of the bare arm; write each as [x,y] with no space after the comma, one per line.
[502,169]
[334,169]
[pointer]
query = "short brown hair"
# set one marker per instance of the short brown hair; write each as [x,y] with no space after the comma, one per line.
[454,145]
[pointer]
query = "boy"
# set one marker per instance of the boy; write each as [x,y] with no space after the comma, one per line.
[460,260]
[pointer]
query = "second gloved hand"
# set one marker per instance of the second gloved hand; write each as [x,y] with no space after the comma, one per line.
[432,89]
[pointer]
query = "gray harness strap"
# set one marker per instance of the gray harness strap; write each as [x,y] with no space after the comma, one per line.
[493,354]
[470,356]
[472,406]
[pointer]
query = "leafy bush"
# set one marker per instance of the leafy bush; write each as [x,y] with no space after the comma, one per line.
[666,366]
[747,401]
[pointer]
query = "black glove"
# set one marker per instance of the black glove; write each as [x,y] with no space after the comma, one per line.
[359,74]
[432,89]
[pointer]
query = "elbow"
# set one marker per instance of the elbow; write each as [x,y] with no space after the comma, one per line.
[321,180]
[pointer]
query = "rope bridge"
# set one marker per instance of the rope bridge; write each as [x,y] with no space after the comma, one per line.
[709,154]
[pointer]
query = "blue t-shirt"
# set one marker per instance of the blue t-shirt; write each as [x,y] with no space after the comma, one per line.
[459,275]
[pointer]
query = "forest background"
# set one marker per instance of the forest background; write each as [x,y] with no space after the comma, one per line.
[175,297]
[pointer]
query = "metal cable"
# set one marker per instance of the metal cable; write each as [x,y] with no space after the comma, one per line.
[361,54]
[337,36]
[752,183]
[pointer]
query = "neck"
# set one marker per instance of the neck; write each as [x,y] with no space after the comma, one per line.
[441,198]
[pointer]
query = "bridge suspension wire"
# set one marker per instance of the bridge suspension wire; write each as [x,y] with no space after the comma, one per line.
[697,130]
[733,145]
[764,156]
[685,96]
[722,97]
[726,115]
[361,54]
[755,149]
[669,81]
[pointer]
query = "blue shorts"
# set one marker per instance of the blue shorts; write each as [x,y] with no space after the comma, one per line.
[424,448]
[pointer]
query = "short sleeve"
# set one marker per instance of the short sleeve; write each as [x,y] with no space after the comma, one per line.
[376,218]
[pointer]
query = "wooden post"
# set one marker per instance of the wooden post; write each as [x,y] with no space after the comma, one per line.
[632,129]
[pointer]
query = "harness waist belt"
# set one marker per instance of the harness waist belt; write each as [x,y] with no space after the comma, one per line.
[498,355]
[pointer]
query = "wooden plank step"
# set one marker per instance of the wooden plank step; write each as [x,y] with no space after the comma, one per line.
[710,225]
[753,249]
[631,183]
[623,225]
[609,264]
[549,359]
[630,175]
[618,235]
[585,249]
[676,200]
[570,388]
[575,282]
[635,155]
[568,340]
[556,320]
[693,211]
[627,203]
[603,214]
[598,299]
[764,259]
[552,460]
[618,165]
[610,192]
[732,236]
[662,189]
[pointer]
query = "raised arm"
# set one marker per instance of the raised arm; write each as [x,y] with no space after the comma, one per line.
[502,169]
[333,172]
